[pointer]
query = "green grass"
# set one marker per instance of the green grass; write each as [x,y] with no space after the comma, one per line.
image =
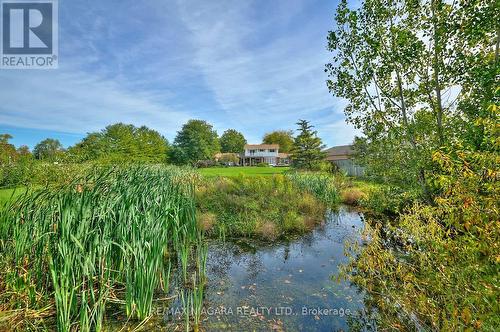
[7,194]
[237,171]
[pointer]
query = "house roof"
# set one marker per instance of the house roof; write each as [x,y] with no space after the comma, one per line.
[339,152]
[283,155]
[262,146]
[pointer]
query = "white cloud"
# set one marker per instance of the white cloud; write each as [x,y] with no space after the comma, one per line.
[78,102]
[232,63]
[259,79]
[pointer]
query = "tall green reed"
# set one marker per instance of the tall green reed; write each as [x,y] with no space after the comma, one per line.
[321,185]
[108,229]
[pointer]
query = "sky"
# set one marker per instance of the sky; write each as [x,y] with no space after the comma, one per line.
[255,66]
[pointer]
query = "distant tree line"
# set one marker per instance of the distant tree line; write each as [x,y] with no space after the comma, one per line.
[195,144]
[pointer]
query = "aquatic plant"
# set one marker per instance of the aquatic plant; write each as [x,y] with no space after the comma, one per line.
[265,207]
[184,251]
[197,302]
[321,185]
[186,307]
[102,233]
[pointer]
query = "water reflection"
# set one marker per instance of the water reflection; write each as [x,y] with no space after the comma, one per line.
[291,280]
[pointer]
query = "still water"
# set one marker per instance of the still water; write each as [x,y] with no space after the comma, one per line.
[288,286]
[282,286]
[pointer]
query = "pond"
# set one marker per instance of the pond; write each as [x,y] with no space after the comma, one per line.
[282,286]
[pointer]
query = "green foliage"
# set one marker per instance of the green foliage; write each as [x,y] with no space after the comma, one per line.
[323,186]
[242,171]
[444,271]
[307,148]
[232,141]
[395,61]
[196,141]
[9,154]
[388,200]
[282,137]
[264,207]
[28,172]
[49,150]
[101,236]
[398,63]
[121,143]
[7,150]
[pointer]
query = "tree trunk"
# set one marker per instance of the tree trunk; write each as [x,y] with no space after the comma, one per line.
[438,105]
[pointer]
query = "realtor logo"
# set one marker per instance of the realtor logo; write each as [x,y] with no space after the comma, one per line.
[29,34]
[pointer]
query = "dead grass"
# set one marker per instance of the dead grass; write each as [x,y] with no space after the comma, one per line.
[268,230]
[206,220]
[352,196]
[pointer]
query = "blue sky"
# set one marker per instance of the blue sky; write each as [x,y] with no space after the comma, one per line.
[254,66]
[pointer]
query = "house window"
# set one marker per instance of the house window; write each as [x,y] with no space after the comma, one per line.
[262,150]
[252,151]
[272,150]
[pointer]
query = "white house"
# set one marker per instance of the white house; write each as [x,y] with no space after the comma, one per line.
[263,153]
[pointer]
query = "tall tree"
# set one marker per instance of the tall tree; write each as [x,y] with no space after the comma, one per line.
[307,148]
[282,137]
[119,143]
[401,66]
[196,141]
[232,141]
[49,149]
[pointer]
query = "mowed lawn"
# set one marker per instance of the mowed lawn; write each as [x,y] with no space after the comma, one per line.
[237,171]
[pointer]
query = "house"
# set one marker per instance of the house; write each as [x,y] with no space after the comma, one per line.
[342,157]
[255,154]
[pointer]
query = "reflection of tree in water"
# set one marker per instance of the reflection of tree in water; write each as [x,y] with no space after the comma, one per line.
[222,257]
[373,318]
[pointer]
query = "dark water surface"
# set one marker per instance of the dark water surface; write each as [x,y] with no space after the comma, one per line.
[284,286]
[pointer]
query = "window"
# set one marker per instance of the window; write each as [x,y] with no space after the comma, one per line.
[252,151]
[272,150]
[262,150]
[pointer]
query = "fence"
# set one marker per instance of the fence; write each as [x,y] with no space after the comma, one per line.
[348,166]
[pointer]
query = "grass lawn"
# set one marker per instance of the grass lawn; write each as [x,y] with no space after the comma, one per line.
[236,171]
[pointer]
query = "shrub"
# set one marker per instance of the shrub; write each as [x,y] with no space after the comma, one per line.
[352,196]
[388,200]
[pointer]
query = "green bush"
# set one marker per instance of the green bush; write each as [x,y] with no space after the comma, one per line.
[387,200]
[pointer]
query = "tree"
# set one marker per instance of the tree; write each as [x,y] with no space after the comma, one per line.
[7,151]
[196,141]
[282,137]
[119,143]
[394,61]
[307,148]
[232,141]
[49,149]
